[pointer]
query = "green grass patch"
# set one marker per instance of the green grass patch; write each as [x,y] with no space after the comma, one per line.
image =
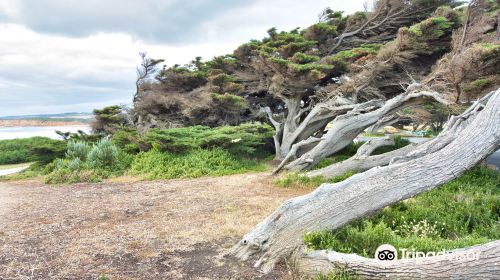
[297,180]
[460,213]
[155,164]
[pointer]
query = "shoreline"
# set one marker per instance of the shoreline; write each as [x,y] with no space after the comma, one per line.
[39,123]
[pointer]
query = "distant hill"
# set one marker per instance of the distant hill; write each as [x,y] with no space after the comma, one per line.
[64,117]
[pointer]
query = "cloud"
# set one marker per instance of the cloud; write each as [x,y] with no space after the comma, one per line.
[62,54]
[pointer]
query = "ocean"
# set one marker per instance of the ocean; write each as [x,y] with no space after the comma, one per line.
[46,131]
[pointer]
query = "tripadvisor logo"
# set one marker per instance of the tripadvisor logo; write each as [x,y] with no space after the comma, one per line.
[387,252]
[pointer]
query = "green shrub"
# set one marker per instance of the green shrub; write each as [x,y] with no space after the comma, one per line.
[246,140]
[30,149]
[77,150]
[103,154]
[461,213]
[195,163]
[102,161]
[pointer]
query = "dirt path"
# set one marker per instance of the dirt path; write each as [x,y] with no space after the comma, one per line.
[13,170]
[177,229]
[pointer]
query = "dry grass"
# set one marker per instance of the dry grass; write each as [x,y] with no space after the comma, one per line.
[140,230]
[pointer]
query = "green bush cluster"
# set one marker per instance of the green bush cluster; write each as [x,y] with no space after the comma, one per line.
[41,149]
[248,140]
[460,213]
[155,164]
[85,163]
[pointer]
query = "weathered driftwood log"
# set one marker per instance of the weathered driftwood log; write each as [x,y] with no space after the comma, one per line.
[347,126]
[363,160]
[476,262]
[333,205]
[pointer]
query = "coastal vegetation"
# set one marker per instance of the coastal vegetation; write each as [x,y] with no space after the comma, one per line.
[294,103]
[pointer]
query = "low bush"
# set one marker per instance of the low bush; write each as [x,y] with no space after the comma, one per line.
[244,140]
[41,149]
[460,213]
[156,164]
[83,163]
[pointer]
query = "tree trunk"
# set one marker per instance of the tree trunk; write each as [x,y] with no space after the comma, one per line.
[346,127]
[333,205]
[470,263]
[362,160]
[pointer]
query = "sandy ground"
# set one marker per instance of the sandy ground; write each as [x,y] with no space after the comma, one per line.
[178,229]
[9,171]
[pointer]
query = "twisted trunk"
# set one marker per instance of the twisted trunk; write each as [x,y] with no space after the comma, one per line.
[333,205]
[346,127]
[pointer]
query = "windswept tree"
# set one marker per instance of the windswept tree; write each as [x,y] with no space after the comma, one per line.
[387,85]
[147,68]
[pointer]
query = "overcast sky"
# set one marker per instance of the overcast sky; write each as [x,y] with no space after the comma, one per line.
[72,56]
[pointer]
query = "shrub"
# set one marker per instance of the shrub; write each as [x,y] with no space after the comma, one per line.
[461,213]
[82,164]
[103,154]
[196,163]
[40,149]
[246,140]
[77,150]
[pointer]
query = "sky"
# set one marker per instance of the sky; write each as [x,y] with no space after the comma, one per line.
[60,56]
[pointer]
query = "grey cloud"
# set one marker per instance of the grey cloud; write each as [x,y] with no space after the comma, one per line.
[168,21]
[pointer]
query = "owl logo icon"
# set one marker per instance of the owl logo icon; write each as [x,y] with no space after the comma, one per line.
[386,252]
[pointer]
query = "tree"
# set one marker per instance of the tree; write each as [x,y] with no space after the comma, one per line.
[466,141]
[147,68]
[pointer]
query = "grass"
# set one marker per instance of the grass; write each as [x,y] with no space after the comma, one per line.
[155,164]
[350,150]
[460,213]
[297,180]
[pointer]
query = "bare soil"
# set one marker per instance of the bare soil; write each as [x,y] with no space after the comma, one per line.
[177,229]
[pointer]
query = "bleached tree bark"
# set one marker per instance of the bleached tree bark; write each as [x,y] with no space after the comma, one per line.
[363,160]
[347,126]
[476,262]
[333,205]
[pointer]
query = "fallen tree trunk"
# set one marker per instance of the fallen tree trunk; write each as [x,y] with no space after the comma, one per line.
[469,263]
[363,160]
[346,127]
[333,205]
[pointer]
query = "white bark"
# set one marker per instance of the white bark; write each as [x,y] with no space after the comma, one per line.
[363,160]
[476,262]
[333,205]
[346,127]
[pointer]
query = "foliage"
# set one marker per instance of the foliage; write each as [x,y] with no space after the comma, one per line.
[84,164]
[460,213]
[108,119]
[103,154]
[155,164]
[77,150]
[30,149]
[356,53]
[337,274]
[245,139]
